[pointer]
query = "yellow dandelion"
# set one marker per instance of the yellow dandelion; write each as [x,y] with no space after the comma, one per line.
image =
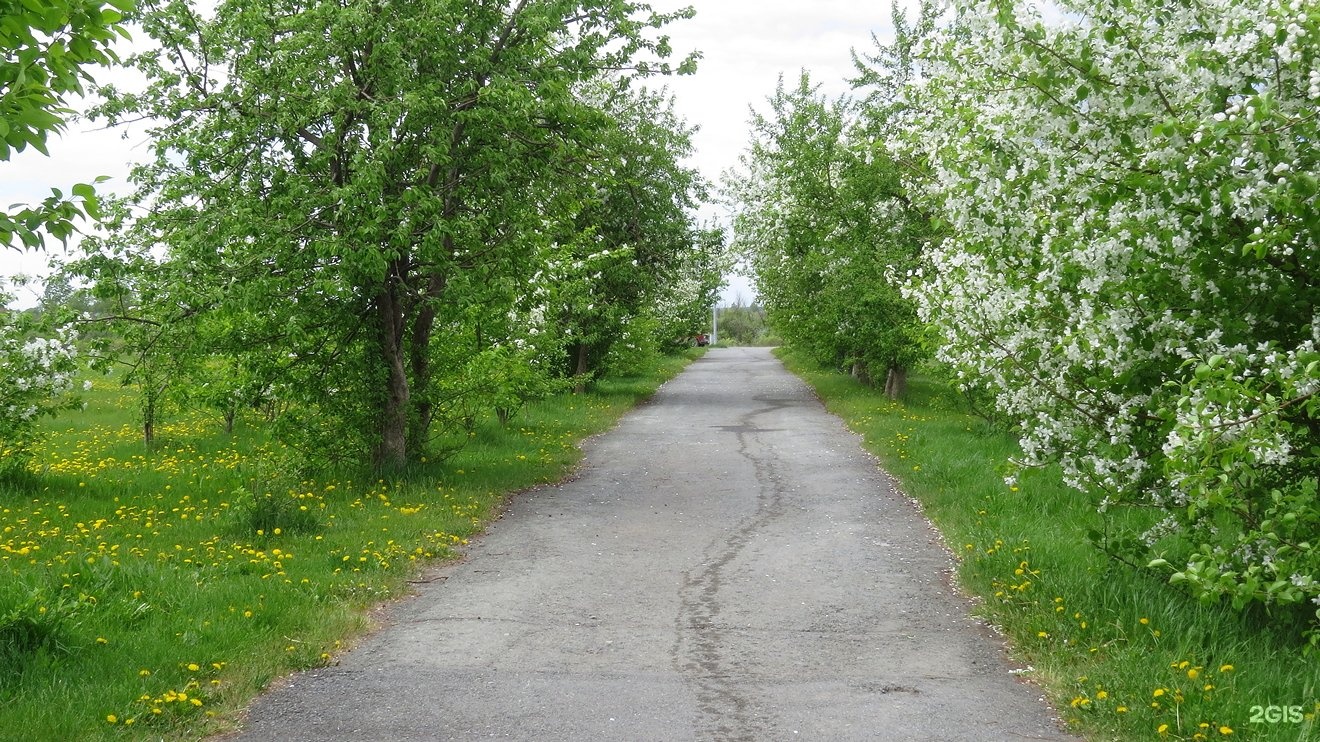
[1226,731]
[1164,729]
[1144,621]
[111,719]
[1226,668]
[193,667]
[1158,692]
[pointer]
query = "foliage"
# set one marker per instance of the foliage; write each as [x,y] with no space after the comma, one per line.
[825,223]
[744,325]
[45,50]
[635,245]
[33,622]
[1130,264]
[36,373]
[354,205]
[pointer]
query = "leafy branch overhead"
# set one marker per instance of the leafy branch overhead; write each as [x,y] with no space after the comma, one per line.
[46,49]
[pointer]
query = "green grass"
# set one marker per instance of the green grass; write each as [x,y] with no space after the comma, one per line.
[152,593]
[1119,653]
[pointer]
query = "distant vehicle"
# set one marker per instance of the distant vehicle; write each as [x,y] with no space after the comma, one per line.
[703,340]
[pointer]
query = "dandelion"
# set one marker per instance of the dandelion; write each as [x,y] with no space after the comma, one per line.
[111,719]
[1143,621]
[1226,668]
[1159,692]
[1226,731]
[193,667]
[1164,729]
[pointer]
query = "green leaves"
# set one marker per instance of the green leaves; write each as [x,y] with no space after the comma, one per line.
[829,230]
[45,48]
[355,201]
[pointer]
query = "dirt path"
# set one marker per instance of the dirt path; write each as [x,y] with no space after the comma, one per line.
[730,565]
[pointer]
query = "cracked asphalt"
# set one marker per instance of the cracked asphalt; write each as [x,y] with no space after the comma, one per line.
[729,565]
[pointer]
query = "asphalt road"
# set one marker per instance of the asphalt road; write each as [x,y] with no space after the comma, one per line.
[730,565]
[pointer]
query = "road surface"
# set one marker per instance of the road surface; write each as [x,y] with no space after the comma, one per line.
[729,565]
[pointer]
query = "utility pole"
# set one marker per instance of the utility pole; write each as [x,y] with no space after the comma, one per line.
[715,323]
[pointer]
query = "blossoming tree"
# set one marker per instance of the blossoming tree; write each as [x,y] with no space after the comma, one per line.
[825,223]
[1131,263]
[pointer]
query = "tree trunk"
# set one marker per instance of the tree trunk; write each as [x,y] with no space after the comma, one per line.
[392,448]
[896,383]
[860,373]
[581,372]
[419,357]
[150,399]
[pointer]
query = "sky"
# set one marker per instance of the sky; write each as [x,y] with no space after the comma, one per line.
[745,45]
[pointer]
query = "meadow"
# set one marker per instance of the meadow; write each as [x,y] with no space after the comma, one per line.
[152,592]
[1119,653]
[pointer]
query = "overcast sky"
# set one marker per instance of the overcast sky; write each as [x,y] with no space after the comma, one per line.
[745,46]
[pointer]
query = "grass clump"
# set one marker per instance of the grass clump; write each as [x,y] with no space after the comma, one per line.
[150,593]
[1121,654]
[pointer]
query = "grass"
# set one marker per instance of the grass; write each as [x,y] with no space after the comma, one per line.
[153,593]
[1121,655]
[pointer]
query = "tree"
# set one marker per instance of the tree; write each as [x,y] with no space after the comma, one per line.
[1131,263]
[634,234]
[36,371]
[827,227]
[744,325]
[45,50]
[330,171]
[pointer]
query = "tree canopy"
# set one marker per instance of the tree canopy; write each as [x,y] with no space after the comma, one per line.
[372,198]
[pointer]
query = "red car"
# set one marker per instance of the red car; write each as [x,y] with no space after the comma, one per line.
[703,340]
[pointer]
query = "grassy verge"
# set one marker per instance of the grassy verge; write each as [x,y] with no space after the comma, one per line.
[153,593]
[1120,654]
